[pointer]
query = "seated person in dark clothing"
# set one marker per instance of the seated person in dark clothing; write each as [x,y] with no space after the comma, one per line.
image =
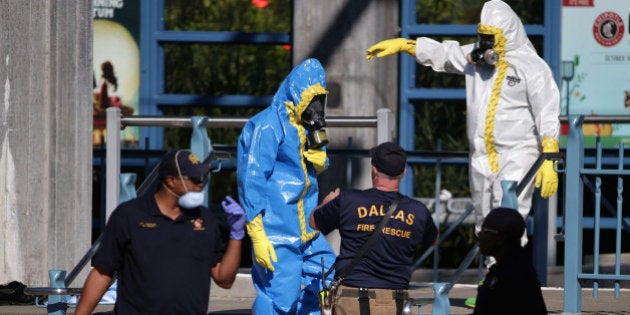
[511,285]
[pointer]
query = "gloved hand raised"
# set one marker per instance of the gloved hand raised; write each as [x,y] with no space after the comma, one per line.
[547,176]
[390,47]
[236,217]
[263,249]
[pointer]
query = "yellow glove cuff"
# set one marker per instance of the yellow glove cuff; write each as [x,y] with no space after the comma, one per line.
[255,226]
[409,47]
[318,158]
[550,145]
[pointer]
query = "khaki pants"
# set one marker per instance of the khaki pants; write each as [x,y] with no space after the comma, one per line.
[382,301]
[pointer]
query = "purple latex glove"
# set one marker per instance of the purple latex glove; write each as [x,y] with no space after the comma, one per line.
[236,217]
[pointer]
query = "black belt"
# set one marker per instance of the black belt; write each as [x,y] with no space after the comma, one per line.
[397,294]
[364,295]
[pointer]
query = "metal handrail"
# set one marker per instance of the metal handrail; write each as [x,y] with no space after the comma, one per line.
[475,249]
[236,122]
[610,119]
[165,121]
[51,291]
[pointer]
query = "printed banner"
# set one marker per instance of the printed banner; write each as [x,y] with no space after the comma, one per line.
[577,3]
[595,63]
[116,65]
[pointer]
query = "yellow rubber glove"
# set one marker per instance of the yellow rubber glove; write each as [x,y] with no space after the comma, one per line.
[547,176]
[318,158]
[390,47]
[263,250]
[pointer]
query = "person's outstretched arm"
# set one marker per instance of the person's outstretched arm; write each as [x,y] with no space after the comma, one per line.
[95,286]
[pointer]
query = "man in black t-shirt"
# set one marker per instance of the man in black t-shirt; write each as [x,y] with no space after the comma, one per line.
[383,272]
[165,247]
[511,283]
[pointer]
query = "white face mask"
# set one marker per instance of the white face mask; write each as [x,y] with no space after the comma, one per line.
[191,199]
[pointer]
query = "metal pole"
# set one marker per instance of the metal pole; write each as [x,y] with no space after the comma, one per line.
[113,160]
[57,304]
[573,213]
[384,126]
[201,147]
[238,122]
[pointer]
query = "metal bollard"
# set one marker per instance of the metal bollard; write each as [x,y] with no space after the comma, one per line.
[510,198]
[441,303]
[57,304]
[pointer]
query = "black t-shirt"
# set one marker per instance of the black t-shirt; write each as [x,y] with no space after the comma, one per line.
[163,266]
[357,213]
[511,287]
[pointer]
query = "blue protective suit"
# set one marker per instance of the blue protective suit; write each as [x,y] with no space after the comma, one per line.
[277,180]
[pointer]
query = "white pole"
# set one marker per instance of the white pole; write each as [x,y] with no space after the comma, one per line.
[112,145]
[385,125]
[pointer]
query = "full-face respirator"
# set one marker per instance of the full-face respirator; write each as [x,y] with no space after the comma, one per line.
[484,54]
[314,119]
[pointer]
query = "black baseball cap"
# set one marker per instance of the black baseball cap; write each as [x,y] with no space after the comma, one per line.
[389,158]
[188,163]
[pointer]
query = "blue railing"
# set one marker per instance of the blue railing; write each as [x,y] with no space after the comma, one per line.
[121,187]
[577,178]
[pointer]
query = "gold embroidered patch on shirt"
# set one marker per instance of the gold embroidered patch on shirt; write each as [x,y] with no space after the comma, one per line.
[198,224]
[148,225]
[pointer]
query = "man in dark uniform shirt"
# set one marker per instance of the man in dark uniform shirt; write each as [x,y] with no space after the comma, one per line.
[511,285]
[383,272]
[165,247]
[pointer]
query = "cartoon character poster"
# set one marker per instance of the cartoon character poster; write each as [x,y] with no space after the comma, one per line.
[594,65]
[116,63]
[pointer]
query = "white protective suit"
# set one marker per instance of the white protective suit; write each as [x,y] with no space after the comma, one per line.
[511,107]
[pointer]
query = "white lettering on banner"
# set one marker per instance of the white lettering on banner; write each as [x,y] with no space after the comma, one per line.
[108,3]
[103,13]
[104,9]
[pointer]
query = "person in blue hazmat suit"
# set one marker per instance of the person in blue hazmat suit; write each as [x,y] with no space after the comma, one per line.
[280,152]
[512,101]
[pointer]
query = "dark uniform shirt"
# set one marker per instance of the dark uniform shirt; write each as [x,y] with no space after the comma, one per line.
[386,264]
[511,287]
[163,266]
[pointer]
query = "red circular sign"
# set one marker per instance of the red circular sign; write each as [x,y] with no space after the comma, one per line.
[608,29]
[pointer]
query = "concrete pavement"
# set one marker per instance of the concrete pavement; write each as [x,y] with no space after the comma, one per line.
[604,304]
[239,299]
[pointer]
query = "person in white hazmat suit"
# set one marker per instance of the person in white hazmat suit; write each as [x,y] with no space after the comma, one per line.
[512,104]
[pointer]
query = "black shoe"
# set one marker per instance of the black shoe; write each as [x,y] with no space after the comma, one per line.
[13,294]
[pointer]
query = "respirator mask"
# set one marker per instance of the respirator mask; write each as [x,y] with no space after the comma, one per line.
[191,199]
[314,119]
[484,54]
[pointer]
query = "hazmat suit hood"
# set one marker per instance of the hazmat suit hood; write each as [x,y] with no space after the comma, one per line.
[305,81]
[499,19]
